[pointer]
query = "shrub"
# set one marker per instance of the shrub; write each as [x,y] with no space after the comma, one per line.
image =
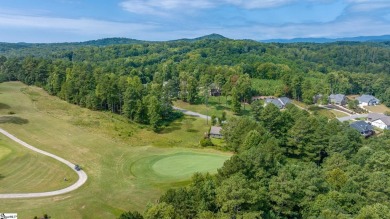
[204,142]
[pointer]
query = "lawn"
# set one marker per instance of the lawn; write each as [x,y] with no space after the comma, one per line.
[338,114]
[215,106]
[378,109]
[329,113]
[107,146]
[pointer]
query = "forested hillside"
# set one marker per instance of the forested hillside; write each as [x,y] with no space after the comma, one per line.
[304,68]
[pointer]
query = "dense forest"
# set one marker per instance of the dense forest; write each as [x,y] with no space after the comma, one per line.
[287,164]
[184,67]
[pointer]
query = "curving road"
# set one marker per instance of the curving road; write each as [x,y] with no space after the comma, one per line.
[82,175]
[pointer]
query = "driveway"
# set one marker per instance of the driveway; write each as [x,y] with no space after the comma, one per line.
[190,113]
[82,175]
[346,118]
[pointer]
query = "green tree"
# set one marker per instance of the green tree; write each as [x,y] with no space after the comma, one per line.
[160,211]
[236,105]
[376,211]
[256,109]
[235,194]
[130,215]
[154,112]
[192,92]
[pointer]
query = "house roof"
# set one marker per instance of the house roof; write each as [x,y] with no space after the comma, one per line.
[337,97]
[280,102]
[378,116]
[215,130]
[367,98]
[276,102]
[361,126]
[284,100]
[374,116]
[386,120]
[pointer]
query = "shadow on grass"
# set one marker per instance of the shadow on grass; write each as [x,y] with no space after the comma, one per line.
[192,130]
[13,119]
[171,128]
[221,107]
[4,106]
[1,177]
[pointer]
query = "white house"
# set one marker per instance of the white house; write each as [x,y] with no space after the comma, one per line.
[280,102]
[367,100]
[379,120]
[215,132]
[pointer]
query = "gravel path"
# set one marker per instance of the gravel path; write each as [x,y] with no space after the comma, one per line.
[187,112]
[82,175]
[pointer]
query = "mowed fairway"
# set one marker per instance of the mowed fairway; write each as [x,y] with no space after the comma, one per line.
[24,171]
[109,148]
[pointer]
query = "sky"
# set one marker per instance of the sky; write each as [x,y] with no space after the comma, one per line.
[158,20]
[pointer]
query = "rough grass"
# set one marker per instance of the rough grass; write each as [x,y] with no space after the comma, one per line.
[105,145]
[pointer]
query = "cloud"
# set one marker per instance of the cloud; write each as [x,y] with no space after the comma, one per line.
[163,7]
[160,7]
[76,26]
[365,6]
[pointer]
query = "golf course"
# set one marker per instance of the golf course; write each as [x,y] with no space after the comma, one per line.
[127,164]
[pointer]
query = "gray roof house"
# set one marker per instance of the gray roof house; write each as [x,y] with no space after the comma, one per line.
[379,120]
[338,99]
[280,102]
[215,132]
[367,100]
[363,128]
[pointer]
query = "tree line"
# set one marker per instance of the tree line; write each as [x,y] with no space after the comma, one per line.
[304,69]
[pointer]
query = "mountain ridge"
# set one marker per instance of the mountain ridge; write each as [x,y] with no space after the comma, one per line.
[381,38]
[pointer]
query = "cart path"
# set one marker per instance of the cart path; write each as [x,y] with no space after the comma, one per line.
[82,175]
[191,113]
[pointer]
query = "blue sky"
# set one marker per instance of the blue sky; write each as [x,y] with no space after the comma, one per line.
[80,20]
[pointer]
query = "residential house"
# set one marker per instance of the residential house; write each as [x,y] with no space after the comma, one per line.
[379,120]
[215,132]
[367,100]
[363,128]
[338,99]
[215,90]
[280,102]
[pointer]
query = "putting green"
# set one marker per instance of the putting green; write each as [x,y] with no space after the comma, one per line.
[177,166]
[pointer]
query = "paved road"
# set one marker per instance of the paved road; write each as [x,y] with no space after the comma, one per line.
[190,113]
[82,175]
[346,118]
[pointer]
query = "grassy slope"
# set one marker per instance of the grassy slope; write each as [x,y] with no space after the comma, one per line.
[106,145]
